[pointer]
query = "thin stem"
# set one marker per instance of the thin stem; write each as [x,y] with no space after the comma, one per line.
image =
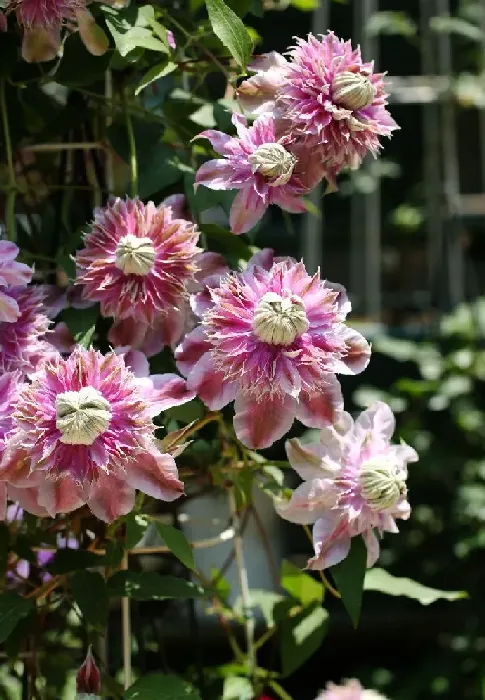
[12,191]
[279,690]
[132,147]
[126,632]
[324,579]
[244,586]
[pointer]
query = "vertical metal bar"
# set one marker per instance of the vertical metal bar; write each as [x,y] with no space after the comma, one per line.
[372,201]
[451,174]
[313,227]
[432,157]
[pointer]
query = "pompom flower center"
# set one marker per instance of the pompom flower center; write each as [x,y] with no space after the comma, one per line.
[352,91]
[280,320]
[82,416]
[273,162]
[380,484]
[135,256]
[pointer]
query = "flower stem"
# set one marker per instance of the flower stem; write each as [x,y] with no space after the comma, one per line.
[324,579]
[132,148]
[12,185]
[244,586]
[279,690]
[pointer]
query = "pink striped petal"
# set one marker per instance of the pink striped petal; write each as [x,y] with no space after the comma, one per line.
[110,498]
[258,424]
[191,349]
[322,408]
[210,385]
[246,210]
[156,475]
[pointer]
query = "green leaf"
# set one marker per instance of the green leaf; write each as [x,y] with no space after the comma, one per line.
[273,605]
[230,30]
[220,240]
[4,542]
[300,585]
[82,323]
[12,609]
[148,585]
[349,578]
[455,25]
[155,73]
[136,526]
[91,595]
[382,581]
[237,688]
[177,543]
[391,23]
[305,5]
[158,686]
[301,636]
[67,560]
[132,28]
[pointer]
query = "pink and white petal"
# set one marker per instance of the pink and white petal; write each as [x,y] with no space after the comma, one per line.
[309,502]
[263,258]
[211,385]
[28,499]
[313,460]
[218,139]
[373,549]
[8,251]
[9,309]
[323,408]
[288,202]
[155,475]
[15,466]
[135,360]
[246,210]
[258,424]
[240,122]
[168,329]
[377,419]
[215,174]
[40,44]
[61,495]
[331,541]
[201,302]
[111,498]
[210,265]
[178,204]
[357,357]
[163,391]
[191,349]
[61,338]
[266,61]
[92,36]
[127,333]
[404,453]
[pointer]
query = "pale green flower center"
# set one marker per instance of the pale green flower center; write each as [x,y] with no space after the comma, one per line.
[274,162]
[135,256]
[352,91]
[81,416]
[279,320]
[380,483]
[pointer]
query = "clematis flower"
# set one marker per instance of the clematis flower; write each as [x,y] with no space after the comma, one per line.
[12,274]
[324,96]
[43,21]
[22,343]
[88,679]
[262,169]
[137,262]
[354,484]
[272,338]
[351,690]
[10,384]
[83,433]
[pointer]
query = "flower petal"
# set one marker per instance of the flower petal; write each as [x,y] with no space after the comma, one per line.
[191,349]
[313,460]
[218,139]
[358,352]
[156,475]
[164,391]
[323,408]
[9,309]
[258,424]
[331,541]
[372,544]
[61,495]
[28,499]
[216,174]
[40,44]
[310,501]
[110,498]
[246,210]
[210,385]
[93,37]
[378,420]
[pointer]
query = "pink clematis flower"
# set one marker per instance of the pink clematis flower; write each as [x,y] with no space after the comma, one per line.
[351,690]
[355,483]
[137,262]
[262,169]
[88,679]
[10,384]
[324,96]
[83,433]
[12,274]
[43,21]
[272,338]
[22,343]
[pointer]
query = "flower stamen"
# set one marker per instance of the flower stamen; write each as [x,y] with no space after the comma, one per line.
[273,162]
[82,416]
[352,91]
[280,320]
[381,485]
[135,256]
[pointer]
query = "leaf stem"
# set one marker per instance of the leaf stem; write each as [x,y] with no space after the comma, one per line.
[12,184]
[132,149]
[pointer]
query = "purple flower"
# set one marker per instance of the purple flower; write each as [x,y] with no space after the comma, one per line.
[355,483]
[262,169]
[272,338]
[324,96]
[12,274]
[351,690]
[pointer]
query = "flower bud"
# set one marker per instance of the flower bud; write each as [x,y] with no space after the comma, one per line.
[88,680]
[352,91]
[279,320]
[274,162]
[81,416]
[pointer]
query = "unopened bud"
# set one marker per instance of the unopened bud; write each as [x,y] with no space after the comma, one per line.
[352,91]
[88,680]
[274,162]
